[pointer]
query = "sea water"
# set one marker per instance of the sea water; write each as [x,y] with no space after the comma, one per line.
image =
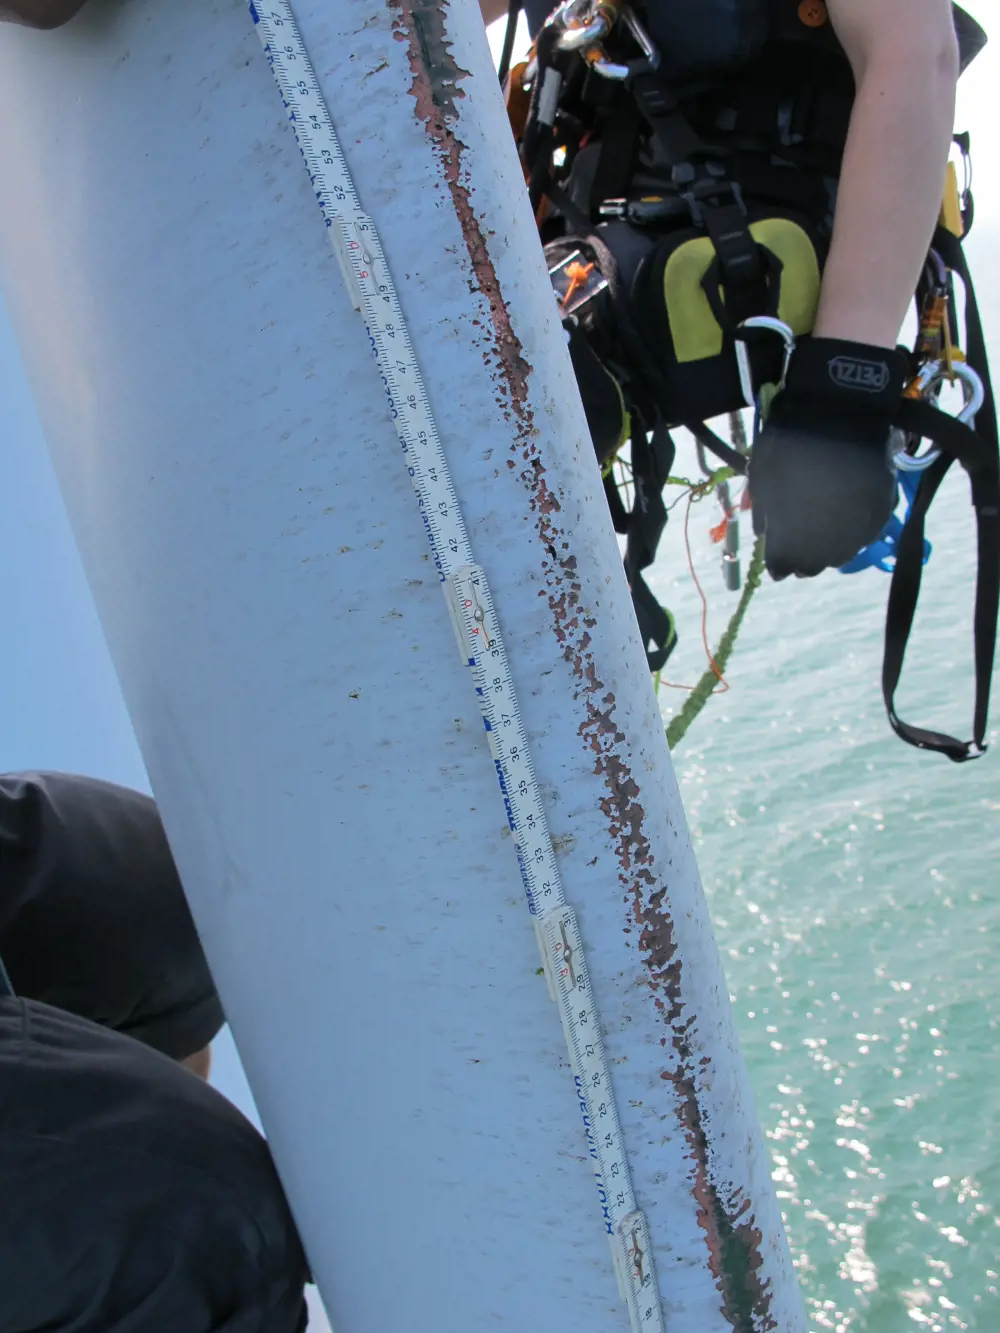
[855,891]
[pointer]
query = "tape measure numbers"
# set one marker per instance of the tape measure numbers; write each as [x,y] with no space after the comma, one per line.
[560,945]
[479,638]
[373,294]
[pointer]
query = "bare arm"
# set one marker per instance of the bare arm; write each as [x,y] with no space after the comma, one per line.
[40,13]
[905,60]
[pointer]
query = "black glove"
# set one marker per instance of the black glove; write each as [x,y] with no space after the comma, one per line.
[821,478]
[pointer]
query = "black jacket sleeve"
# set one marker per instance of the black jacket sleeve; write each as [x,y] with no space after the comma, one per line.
[136,1198]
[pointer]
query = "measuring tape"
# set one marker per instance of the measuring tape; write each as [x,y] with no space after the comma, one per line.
[374,296]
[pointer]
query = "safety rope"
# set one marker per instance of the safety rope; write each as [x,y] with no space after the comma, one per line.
[703,691]
[714,674]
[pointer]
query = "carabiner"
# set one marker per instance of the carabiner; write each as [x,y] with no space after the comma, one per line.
[641,37]
[566,13]
[607,69]
[773,325]
[931,376]
[581,32]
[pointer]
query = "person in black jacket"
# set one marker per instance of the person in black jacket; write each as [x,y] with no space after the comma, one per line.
[136,1198]
[93,918]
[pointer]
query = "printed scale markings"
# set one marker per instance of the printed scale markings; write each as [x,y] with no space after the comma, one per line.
[365,271]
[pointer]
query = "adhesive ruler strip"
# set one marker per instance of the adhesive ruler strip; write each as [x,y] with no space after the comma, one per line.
[374,296]
[561,947]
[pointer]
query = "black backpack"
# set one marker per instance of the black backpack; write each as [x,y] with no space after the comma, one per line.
[682,160]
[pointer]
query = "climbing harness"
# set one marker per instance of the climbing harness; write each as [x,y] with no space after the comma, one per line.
[683,178]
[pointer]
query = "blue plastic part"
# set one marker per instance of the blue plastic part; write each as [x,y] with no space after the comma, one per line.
[881,554]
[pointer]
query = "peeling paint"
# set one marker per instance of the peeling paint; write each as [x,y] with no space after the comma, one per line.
[435,88]
[734,1247]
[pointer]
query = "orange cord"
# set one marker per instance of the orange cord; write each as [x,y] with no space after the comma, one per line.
[671,685]
[578,274]
[718,533]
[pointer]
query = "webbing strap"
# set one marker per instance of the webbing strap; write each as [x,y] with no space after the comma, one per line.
[616,154]
[724,452]
[652,460]
[509,37]
[738,254]
[979,453]
[656,624]
[660,108]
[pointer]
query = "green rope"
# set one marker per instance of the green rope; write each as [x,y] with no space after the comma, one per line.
[705,688]
[709,483]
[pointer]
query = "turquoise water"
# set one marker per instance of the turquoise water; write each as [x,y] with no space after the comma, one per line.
[854,887]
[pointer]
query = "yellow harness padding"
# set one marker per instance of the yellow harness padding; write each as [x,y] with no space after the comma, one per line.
[695,331]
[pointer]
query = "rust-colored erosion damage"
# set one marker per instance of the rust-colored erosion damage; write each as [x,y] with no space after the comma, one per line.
[733,1241]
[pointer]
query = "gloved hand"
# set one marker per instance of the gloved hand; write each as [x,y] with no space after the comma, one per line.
[821,478]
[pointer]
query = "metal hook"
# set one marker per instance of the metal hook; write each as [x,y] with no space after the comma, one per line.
[641,37]
[773,325]
[585,24]
[576,39]
[607,69]
[931,376]
[566,13]
[581,30]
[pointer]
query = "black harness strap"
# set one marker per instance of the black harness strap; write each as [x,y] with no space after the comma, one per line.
[738,253]
[652,460]
[656,624]
[618,139]
[708,439]
[619,514]
[576,219]
[509,37]
[660,108]
[538,143]
[979,453]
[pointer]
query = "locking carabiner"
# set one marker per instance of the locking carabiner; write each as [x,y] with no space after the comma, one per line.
[930,378]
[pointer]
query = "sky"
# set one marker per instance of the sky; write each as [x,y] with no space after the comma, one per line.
[63,707]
